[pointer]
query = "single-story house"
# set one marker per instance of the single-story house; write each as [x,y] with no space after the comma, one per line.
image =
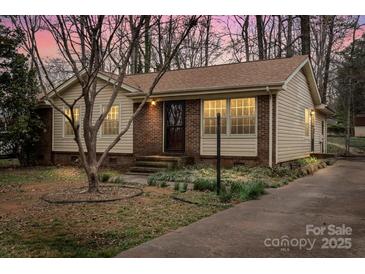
[271,113]
[359,125]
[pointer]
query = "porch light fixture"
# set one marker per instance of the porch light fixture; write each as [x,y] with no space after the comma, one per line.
[312,112]
[153,102]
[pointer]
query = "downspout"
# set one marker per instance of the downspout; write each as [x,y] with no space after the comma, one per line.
[270,125]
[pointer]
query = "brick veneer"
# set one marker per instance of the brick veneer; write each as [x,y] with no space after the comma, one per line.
[148,130]
[115,160]
[192,129]
[273,129]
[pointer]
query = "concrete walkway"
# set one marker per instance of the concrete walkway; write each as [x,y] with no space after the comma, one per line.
[335,195]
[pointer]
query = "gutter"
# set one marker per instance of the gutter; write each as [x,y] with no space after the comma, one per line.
[205,91]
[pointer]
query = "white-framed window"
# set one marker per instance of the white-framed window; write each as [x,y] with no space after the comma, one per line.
[67,128]
[211,109]
[111,122]
[243,115]
[238,116]
[307,113]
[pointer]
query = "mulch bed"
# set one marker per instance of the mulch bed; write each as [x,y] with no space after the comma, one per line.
[107,193]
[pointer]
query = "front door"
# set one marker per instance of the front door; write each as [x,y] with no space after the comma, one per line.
[175,126]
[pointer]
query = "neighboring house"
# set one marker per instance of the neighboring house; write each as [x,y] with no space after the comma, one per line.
[359,125]
[271,113]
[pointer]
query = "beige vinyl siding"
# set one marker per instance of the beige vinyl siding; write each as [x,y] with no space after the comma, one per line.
[292,102]
[230,147]
[360,131]
[67,143]
[318,136]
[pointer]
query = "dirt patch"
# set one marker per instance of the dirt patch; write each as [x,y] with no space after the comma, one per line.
[107,193]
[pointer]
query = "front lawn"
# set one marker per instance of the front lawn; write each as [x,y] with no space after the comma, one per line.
[30,227]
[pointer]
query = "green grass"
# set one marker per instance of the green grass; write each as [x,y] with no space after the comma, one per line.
[336,145]
[9,162]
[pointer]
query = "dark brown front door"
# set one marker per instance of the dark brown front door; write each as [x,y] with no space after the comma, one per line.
[175,126]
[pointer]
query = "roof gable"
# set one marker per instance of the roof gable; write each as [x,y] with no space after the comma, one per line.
[307,70]
[73,80]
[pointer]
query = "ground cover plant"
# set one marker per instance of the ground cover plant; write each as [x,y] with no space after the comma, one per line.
[240,183]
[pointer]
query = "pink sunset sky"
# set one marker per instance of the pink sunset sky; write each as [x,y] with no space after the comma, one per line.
[49,49]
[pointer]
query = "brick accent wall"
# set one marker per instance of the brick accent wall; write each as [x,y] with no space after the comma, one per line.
[273,129]
[115,160]
[263,129]
[148,130]
[192,129]
[44,147]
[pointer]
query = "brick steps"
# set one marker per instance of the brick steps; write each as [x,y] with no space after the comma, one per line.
[155,163]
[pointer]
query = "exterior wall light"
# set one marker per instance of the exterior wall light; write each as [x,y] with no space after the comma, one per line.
[153,102]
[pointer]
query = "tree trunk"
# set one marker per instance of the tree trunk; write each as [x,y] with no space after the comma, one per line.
[206,46]
[305,34]
[147,45]
[245,31]
[260,31]
[348,120]
[134,56]
[289,47]
[279,35]
[330,23]
[93,182]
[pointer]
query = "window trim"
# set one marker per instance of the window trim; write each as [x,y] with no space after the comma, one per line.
[102,124]
[64,121]
[228,134]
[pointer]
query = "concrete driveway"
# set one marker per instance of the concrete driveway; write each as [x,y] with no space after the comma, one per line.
[275,225]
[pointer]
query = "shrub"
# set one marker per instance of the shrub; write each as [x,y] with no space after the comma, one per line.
[225,196]
[181,186]
[250,190]
[280,171]
[103,177]
[163,184]
[260,172]
[176,186]
[204,184]
[307,161]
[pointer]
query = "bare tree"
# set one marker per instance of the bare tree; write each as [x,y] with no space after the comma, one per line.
[289,45]
[260,36]
[323,87]
[305,34]
[350,83]
[85,43]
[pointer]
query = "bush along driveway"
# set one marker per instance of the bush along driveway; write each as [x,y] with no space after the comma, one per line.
[330,201]
[197,184]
